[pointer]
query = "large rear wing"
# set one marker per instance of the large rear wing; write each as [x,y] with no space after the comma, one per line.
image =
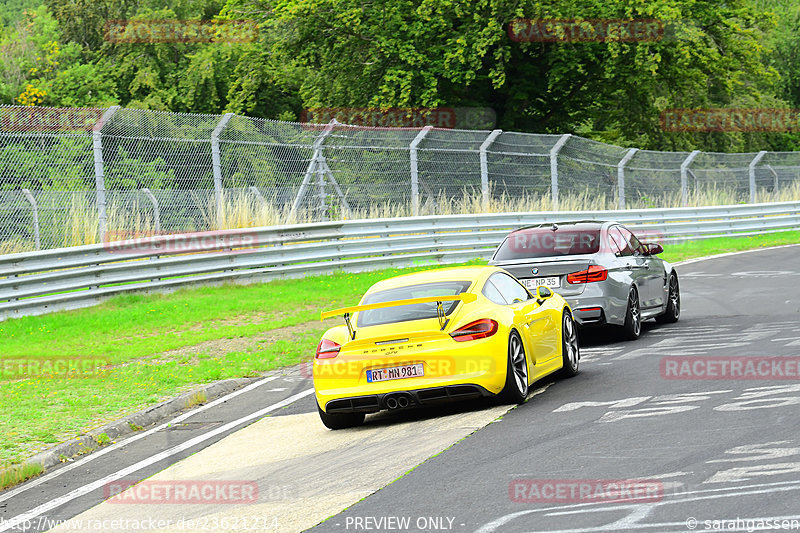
[466,297]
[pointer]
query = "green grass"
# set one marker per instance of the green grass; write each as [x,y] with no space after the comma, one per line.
[18,474]
[161,345]
[701,248]
[158,346]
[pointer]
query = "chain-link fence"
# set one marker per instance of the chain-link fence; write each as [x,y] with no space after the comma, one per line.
[79,176]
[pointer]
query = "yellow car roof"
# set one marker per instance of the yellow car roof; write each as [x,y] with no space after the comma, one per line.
[467,273]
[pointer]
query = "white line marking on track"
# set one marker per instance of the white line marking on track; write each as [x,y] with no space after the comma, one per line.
[706,258]
[691,496]
[86,489]
[114,447]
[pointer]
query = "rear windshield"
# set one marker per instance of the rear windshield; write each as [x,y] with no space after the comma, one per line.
[544,242]
[410,312]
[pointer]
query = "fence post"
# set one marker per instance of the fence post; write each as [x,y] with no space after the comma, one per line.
[315,162]
[751,168]
[255,192]
[156,211]
[412,153]
[621,176]
[685,178]
[216,165]
[775,177]
[99,173]
[35,212]
[554,168]
[485,168]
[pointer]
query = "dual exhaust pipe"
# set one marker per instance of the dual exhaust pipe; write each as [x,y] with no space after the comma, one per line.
[398,401]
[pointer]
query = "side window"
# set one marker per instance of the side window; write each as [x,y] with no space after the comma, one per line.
[620,243]
[633,242]
[510,288]
[491,292]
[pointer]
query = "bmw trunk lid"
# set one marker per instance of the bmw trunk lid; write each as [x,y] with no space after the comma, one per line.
[532,272]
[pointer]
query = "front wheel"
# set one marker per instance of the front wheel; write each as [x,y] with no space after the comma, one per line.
[340,420]
[632,328]
[673,311]
[516,388]
[570,348]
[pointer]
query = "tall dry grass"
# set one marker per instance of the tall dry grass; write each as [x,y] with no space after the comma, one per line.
[241,209]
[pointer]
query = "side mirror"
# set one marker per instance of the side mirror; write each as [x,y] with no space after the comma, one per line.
[653,248]
[543,293]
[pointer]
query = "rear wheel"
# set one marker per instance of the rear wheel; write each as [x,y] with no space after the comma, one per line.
[632,328]
[340,420]
[570,348]
[673,311]
[516,388]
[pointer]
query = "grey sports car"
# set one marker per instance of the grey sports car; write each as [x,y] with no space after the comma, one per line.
[605,273]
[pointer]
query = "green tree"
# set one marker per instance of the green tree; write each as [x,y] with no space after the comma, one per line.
[458,52]
[38,62]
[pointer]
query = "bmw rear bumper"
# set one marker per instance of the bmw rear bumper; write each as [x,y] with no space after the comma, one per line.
[589,315]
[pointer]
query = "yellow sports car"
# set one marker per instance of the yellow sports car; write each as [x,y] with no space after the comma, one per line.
[441,335]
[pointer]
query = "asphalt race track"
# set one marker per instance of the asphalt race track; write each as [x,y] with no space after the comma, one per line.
[713,454]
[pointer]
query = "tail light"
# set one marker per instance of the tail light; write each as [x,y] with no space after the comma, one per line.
[327,349]
[480,329]
[592,274]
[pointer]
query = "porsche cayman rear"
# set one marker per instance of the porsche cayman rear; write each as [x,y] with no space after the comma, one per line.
[425,338]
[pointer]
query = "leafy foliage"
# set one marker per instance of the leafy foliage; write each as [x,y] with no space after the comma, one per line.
[420,53]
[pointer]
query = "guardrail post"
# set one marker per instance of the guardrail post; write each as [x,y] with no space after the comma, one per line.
[35,213]
[621,176]
[412,154]
[751,169]
[156,210]
[685,177]
[216,165]
[485,168]
[554,167]
[99,175]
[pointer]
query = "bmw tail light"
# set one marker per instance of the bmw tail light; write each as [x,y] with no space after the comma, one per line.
[592,274]
[327,349]
[480,329]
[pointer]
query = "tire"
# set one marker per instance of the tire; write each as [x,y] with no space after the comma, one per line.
[516,387]
[673,311]
[570,347]
[632,329]
[340,420]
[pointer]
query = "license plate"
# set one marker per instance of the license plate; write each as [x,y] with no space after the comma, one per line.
[552,282]
[395,372]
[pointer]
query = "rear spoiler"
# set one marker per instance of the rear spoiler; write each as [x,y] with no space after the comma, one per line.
[466,297]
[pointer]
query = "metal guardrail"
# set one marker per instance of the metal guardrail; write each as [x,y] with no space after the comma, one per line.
[34,283]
